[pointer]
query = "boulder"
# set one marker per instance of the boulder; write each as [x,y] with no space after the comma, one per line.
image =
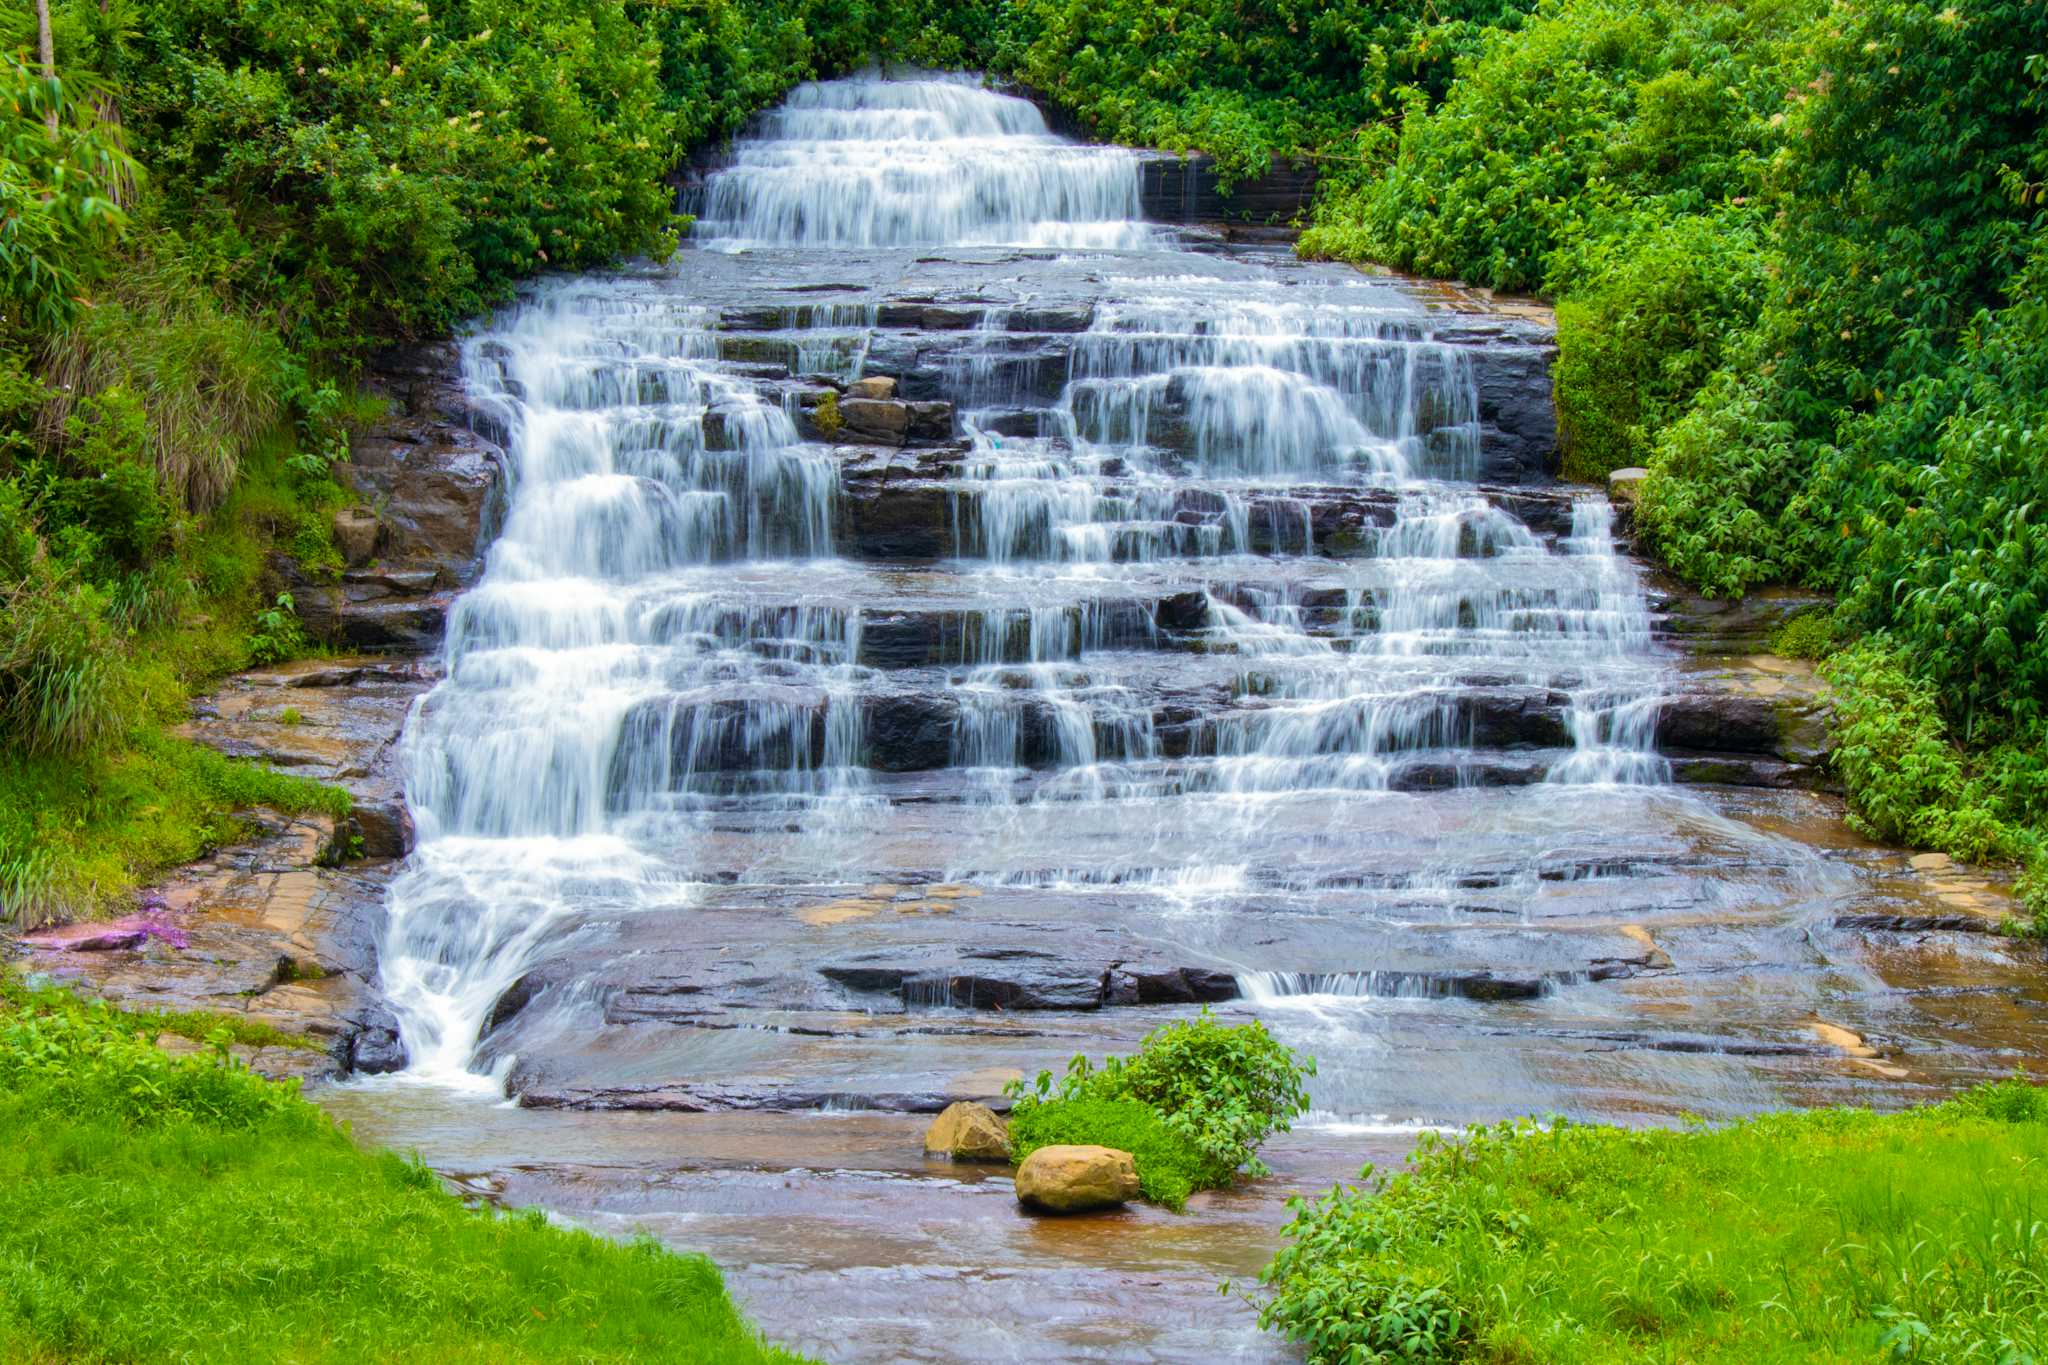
[1626,485]
[1070,1179]
[875,419]
[355,535]
[967,1131]
[876,386]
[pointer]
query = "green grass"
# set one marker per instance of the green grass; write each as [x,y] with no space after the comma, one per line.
[1825,1235]
[81,830]
[166,1208]
[77,836]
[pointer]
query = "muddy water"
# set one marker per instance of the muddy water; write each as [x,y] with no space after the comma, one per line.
[1191,625]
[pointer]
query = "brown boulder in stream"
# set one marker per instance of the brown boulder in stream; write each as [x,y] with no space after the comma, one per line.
[1071,1179]
[967,1131]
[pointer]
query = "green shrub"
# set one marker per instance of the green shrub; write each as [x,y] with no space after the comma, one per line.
[277,634]
[1169,1169]
[1908,783]
[1592,118]
[1825,1235]
[1647,329]
[1222,1089]
[1808,635]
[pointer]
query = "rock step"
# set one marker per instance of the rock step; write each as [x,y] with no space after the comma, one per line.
[672,741]
[967,353]
[914,508]
[1021,979]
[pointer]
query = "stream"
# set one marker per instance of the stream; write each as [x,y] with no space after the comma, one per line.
[1187,624]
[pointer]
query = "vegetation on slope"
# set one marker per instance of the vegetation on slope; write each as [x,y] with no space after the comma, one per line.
[184,1208]
[1831,1234]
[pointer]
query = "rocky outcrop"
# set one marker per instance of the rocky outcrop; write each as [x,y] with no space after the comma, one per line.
[428,474]
[967,1131]
[1073,1179]
[1186,190]
[280,925]
[1749,721]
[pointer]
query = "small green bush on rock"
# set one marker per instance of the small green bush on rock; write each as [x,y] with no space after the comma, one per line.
[1220,1090]
[1169,1169]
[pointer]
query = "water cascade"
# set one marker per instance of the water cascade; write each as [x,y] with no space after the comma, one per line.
[932,162]
[1185,625]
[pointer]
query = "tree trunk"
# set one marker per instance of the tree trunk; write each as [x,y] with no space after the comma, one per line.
[47,44]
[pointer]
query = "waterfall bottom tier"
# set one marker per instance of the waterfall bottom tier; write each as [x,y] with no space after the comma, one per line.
[1591,950]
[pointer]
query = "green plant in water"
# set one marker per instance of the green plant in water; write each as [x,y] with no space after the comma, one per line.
[1169,1167]
[1221,1089]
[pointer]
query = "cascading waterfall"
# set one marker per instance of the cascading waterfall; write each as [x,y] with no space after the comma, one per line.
[1236,559]
[932,162]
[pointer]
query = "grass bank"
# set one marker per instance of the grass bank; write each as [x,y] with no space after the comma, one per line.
[1832,1234]
[166,1208]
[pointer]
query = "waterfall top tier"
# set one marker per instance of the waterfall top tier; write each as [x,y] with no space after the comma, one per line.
[926,161]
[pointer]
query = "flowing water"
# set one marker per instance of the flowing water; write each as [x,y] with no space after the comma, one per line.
[1222,641]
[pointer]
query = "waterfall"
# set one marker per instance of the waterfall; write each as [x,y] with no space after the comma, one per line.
[936,161]
[1221,567]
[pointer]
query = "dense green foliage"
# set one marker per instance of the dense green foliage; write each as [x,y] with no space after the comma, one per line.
[1825,1235]
[1199,1096]
[1244,83]
[182,1208]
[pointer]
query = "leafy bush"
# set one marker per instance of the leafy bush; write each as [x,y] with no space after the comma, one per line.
[1908,783]
[1827,1234]
[1653,321]
[277,634]
[1222,1089]
[365,170]
[1242,84]
[1169,1169]
[1592,117]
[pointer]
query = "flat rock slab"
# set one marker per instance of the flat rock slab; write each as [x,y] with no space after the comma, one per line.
[279,926]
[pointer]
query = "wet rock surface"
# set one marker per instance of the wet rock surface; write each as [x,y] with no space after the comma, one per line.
[428,472]
[280,925]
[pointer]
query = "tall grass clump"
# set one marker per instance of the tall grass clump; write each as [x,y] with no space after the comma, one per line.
[210,380]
